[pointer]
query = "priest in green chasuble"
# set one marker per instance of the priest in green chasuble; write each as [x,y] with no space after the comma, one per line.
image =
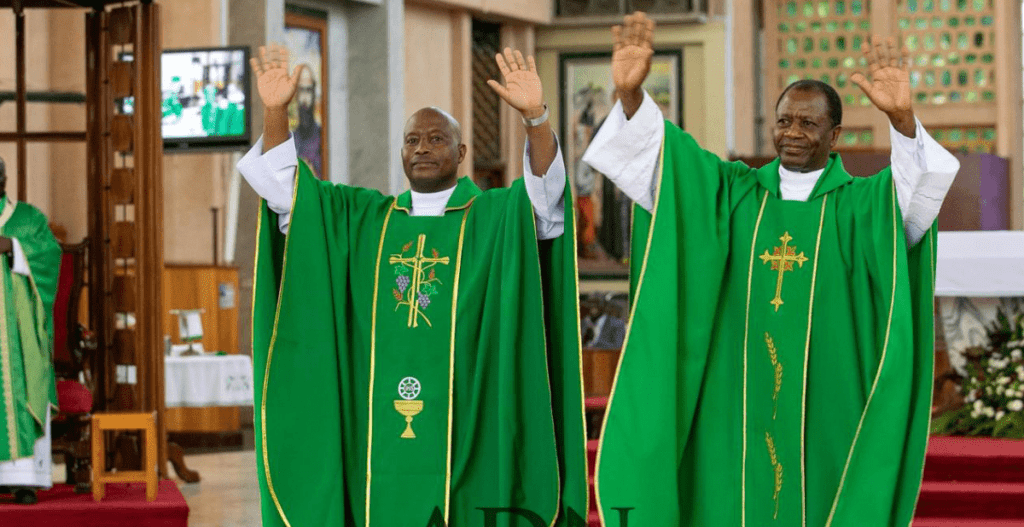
[777,368]
[29,263]
[417,356]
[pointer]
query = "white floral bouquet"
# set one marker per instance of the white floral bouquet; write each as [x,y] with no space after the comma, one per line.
[993,389]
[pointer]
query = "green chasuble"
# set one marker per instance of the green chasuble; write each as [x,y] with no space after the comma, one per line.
[26,330]
[412,370]
[778,365]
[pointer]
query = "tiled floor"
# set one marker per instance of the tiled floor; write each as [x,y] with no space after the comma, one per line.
[228,495]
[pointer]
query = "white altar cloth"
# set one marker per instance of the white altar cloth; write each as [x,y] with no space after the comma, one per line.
[208,380]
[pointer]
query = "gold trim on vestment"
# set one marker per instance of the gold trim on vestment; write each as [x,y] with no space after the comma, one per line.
[629,328]
[746,338]
[451,365]
[881,364]
[807,350]
[570,210]
[373,357]
[5,363]
[273,339]
[931,393]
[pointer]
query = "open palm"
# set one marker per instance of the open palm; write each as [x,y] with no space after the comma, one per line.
[276,87]
[889,87]
[632,51]
[522,89]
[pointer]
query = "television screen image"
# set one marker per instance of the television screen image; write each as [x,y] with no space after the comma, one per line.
[205,97]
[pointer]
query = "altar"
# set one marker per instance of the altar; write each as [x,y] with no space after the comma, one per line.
[977,273]
[208,380]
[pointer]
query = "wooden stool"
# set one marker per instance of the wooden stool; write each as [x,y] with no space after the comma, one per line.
[103,422]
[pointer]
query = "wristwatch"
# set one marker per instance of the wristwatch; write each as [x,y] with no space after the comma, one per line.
[537,121]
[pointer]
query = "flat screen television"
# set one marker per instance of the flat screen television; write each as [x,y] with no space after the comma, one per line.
[205,99]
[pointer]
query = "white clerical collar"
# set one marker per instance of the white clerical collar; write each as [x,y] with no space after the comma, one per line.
[800,176]
[430,203]
[797,186]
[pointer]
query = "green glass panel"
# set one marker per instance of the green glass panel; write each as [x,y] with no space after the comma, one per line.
[947,78]
[808,9]
[791,8]
[929,78]
[801,64]
[987,58]
[912,6]
[832,26]
[986,21]
[816,27]
[972,96]
[840,7]
[953,22]
[972,134]
[823,44]
[946,5]
[961,5]
[956,135]
[969,21]
[857,41]
[929,5]
[937,22]
[988,95]
[953,59]
[849,62]
[970,58]
[823,9]
[912,42]
[801,27]
[816,63]
[826,79]
[954,96]
[938,135]
[783,28]
[938,61]
[849,25]
[841,80]
[849,99]
[864,101]
[791,45]
[904,23]
[849,138]
[862,61]
[929,42]
[962,78]
[808,44]
[961,41]
[945,41]
[783,63]
[938,98]
[841,43]
[915,79]
[867,137]
[922,60]
[979,39]
[989,134]
[857,7]
[921,96]
[979,5]
[921,23]
[792,78]
[980,79]
[833,62]
[865,24]
[983,149]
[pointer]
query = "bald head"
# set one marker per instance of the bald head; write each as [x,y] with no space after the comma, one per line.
[432,150]
[454,127]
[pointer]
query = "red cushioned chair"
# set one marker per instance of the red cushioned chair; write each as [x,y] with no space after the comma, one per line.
[73,356]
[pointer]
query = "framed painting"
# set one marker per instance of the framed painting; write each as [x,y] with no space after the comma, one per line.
[306,40]
[587,95]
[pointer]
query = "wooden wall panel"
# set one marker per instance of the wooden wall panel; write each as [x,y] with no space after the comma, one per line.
[197,287]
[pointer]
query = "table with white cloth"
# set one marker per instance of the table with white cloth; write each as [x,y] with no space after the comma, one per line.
[208,380]
[977,273]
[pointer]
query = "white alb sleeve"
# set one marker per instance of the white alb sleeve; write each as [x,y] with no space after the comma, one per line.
[272,176]
[922,171]
[546,193]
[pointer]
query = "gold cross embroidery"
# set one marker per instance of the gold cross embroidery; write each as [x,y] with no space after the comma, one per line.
[420,265]
[782,260]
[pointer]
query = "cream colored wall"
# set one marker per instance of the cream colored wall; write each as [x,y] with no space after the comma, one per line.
[704,71]
[530,11]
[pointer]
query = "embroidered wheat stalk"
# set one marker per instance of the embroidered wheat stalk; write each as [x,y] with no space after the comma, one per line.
[777,467]
[773,354]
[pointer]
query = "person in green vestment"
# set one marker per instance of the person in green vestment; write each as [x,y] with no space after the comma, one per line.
[29,263]
[778,360]
[417,358]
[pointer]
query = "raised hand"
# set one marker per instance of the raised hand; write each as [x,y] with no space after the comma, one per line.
[889,87]
[522,89]
[276,87]
[631,58]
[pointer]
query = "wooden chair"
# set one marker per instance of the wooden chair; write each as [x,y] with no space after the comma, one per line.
[73,356]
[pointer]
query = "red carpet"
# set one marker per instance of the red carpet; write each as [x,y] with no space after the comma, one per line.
[124,505]
[968,482]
